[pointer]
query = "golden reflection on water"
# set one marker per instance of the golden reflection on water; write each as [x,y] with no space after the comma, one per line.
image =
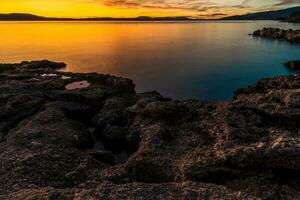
[206,60]
[61,41]
[86,46]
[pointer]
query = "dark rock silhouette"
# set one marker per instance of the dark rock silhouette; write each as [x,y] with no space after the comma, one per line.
[294,65]
[269,15]
[105,141]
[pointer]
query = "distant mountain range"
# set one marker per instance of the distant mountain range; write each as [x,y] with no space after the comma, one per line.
[20,16]
[30,17]
[294,18]
[270,15]
[289,14]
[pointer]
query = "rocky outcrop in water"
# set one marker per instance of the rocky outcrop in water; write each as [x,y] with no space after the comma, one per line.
[279,34]
[293,65]
[90,136]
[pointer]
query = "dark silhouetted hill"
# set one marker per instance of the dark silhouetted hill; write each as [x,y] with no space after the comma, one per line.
[270,15]
[30,17]
[294,18]
[20,16]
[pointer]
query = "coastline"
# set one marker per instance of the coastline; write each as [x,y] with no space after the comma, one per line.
[75,136]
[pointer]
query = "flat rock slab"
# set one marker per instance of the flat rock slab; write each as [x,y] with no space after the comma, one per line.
[77,85]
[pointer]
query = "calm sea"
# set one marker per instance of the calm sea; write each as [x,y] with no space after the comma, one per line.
[183,60]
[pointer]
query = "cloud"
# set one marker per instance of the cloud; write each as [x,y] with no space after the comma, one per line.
[286,2]
[271,2]
[161,4]
[209,8]
[245,2]
[196,6]
[213,15]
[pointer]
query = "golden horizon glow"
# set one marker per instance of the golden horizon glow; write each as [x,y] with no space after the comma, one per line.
[135,8]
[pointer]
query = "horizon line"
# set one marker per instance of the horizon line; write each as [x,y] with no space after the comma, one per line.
[45,18]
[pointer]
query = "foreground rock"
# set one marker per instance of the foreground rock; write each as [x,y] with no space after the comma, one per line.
[279,34]
[101,140]
[294,65]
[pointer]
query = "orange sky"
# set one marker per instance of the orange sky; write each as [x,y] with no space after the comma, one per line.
[134,8]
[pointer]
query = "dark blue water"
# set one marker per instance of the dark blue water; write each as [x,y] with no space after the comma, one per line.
[198,60]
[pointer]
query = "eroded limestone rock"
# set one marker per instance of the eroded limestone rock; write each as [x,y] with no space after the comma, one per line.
[61,144]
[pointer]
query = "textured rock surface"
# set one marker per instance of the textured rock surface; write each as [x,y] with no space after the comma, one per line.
[104,141]
[279,34]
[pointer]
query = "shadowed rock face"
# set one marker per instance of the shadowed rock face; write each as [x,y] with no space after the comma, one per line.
[104,141]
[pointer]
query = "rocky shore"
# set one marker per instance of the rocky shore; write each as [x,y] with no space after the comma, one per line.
[279,34]
[90,136]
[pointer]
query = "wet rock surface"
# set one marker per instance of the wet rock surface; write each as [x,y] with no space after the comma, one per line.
[104,141]
[279,34]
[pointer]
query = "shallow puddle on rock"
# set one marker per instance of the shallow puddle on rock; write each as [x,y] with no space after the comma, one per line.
[34,79]
[77,85]
[65,77]
[121,158]
[49,75]
[97,144]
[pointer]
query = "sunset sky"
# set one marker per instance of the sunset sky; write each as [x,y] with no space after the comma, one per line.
[134,8]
